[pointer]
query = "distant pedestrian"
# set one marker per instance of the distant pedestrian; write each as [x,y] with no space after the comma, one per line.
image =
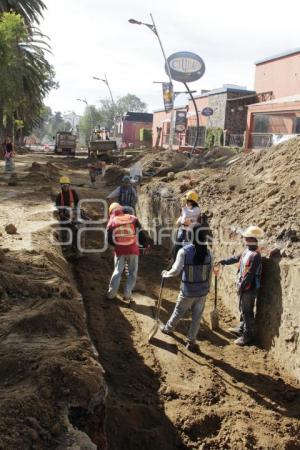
[8,155]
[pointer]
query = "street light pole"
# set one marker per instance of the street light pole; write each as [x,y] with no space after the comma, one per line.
[154,29]
[105,80]
[90,114]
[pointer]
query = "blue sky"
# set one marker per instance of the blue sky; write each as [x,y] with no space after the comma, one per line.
[93,37]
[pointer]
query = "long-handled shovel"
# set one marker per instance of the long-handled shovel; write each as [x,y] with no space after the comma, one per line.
[154,329]
[214,315]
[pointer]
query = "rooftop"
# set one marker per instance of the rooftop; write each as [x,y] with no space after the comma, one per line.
[226,88]
[278,56]
[138,117]
[289,99]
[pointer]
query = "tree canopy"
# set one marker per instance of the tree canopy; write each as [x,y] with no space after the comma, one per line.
[105,116]
[30,10]
[25,74]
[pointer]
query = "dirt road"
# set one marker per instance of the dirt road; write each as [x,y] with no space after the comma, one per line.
[160,396]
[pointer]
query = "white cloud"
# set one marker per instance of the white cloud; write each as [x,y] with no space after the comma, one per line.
[93,37]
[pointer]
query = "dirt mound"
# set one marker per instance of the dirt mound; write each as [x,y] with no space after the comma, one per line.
[114,175]
[261,189]
[216,157]
[161,162]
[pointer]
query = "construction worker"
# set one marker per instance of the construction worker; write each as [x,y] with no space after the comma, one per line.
[190,214]
[125,194]
[248,283]
[122,234]
[194,262]
[66,202]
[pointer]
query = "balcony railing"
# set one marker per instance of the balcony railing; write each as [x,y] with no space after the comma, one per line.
[236,140]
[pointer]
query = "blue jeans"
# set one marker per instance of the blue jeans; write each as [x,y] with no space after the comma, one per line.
[183,304]
[133,265]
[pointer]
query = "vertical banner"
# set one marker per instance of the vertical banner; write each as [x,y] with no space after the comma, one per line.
[168,96]
[180,122]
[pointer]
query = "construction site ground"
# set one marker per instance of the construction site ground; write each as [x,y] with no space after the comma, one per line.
[160,395]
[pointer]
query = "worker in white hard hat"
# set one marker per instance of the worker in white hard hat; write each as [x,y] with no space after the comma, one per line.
[248,283]
[190,213]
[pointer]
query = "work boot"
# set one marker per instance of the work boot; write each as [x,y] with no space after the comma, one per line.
[192,346]
[164,330]
[243,340]
[236,330]
[127,300]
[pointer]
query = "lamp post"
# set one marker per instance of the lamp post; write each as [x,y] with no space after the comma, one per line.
[84,100]
[154,29]
[105,80]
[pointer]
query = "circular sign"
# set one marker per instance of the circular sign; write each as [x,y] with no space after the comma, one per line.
[207,112]
[185,67]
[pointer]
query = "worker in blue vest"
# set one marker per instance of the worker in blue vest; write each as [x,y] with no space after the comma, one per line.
[194,262]
[248,283]
[125,194]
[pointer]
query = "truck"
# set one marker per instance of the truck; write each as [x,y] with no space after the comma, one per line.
[65,143]
[102,148]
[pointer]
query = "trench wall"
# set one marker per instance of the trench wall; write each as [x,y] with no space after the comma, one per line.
[278,311]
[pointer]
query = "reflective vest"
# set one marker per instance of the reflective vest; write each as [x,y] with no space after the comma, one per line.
[71,199]
[126,196]
[244,266]
[124,230]
[195,278]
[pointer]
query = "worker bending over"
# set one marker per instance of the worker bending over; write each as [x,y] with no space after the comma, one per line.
[194,263]
[248,283]
[125,194]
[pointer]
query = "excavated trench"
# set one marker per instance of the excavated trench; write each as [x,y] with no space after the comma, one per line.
[161,396]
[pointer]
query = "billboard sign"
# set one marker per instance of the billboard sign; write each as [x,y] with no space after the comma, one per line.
[207,112]
[180,122]
[185,67]
[168,96]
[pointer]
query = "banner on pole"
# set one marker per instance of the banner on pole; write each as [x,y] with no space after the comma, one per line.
[180,122]
[168,96]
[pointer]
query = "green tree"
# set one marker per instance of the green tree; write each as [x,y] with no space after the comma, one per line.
[92,119]
[111,111]
[25,74]
[30,10]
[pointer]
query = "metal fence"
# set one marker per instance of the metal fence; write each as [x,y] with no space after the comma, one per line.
[191,136]
[236,140]
[261,140]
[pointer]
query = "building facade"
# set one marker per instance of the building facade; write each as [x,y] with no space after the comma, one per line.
[277,119]
[135,129]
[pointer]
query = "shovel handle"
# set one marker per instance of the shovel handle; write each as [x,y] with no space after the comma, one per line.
[216,270]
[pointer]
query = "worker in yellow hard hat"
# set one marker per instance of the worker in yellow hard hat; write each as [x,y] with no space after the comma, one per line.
[248,283]
[66,203]
[190,213]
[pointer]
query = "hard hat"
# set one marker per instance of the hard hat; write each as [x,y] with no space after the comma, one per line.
[126,179]
[253,232]
[113,207]
[64,180]
[192,195]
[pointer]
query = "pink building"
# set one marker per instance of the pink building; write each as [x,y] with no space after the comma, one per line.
[135,129]
[278,118]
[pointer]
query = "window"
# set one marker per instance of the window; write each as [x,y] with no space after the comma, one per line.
[297,125]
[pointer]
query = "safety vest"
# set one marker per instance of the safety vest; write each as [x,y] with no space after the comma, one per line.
[195,278]
[124,230]
[126,196]
[244,267]
[71,199]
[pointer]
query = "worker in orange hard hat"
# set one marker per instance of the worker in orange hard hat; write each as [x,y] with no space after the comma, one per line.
[248,283]
[125,234]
